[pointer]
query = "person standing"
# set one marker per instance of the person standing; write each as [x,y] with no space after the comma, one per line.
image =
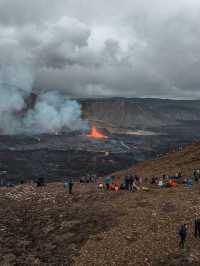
[183,235]
[107,182]
[196,179]
[131,183]
[197,227]
[66,184]
[127,182]
[70,186]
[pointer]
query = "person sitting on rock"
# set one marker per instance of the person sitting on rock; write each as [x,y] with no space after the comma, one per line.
[154,180]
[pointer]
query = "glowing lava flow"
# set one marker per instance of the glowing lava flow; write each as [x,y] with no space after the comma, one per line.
[96,134]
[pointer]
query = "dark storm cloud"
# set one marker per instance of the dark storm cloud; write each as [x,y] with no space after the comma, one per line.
[95,48]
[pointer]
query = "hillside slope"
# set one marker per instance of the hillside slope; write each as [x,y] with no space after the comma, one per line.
[47,226]
[185,160]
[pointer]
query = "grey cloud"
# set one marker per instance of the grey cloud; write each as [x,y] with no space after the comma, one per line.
[23,12]
[86,49]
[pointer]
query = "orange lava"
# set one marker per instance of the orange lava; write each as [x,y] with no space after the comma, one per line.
[96,134]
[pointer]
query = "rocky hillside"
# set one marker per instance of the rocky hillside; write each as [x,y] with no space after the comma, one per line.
[185,160]
[140,113]
[47,226]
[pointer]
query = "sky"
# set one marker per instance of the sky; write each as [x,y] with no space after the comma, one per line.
[90,48]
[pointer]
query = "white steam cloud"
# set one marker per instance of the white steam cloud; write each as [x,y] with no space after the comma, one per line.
[51,113]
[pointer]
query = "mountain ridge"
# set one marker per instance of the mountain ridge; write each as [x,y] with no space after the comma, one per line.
[141,113]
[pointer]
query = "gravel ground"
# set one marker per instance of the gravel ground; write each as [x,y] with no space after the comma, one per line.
[46,226]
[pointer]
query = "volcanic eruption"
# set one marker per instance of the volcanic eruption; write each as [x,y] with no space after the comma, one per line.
[94,133]
[24,112]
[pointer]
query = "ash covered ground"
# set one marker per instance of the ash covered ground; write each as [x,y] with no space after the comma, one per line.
[53,156]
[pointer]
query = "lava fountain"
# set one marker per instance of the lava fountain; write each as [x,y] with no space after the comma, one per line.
[94,133]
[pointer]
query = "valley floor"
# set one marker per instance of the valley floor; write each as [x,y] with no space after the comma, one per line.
[47,226]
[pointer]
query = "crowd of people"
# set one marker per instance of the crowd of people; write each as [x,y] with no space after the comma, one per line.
[129,183]
[133,183]
[88,178]
[178,178]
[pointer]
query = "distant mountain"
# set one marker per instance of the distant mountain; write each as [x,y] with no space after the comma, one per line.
[140,113]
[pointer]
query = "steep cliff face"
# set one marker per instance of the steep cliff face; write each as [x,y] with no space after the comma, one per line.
[140,113]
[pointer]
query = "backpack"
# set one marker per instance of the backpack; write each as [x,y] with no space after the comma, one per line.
[183,231]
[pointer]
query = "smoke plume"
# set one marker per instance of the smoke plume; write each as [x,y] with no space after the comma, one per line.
[51,113]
